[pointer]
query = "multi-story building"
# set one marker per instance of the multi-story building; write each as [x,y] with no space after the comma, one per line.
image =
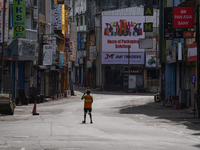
[34,52]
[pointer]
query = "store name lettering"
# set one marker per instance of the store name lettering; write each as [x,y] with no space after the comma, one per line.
[182,16]
[111,56]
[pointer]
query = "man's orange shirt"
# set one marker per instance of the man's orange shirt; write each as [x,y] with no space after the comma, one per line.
[88,101]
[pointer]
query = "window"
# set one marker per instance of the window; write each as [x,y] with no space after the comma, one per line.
[81,20]
[35,2]
[77,20]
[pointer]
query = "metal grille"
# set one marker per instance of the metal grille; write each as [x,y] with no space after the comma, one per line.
[8,84]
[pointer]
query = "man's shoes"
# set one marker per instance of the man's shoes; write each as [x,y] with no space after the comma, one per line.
[83,121]
[91,122]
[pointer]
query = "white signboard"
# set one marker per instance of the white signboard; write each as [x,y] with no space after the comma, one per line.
[145,43]
[122,58]
[6,21]
[73,34]
[132,81]
[57,17]
[47,54]
[73,45]
[121,32]
[93,52]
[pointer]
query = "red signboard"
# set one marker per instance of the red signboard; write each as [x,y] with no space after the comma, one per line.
[192,52]
[183,17]
[188,34]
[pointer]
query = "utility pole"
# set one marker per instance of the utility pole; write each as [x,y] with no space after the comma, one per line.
[160,50]
[198,58]
[128,67]
[2,45]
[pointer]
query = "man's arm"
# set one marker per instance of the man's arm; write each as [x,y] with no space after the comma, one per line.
[83,97]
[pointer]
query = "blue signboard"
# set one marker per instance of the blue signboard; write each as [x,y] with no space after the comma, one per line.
[61,60]
[193,79]
[79,41]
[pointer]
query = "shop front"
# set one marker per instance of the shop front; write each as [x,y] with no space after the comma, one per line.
[122,72]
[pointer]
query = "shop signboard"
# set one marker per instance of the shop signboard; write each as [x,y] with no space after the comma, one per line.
[121,32]
[67,43]
[178,34]
[47,54]
[79,41]
[6,21]
[168,33]
[122,58]
[58,17]
[188,34]
[151,59]
[60,1]
[183,17]
[73,45]
[19,18]
[192,52]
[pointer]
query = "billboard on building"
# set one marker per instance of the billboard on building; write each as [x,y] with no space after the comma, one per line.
[6,21]
[122,58]
[121,32]
[19,18]
[47,54]
[183,17]
[57,17]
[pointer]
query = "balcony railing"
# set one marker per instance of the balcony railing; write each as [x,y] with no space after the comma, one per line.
[31,34]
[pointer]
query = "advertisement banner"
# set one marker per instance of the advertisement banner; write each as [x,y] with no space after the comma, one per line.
[192,52]
[122,58]
[19,18]
[150,59]
[57,17]
[121,32]
[47,54]
[183,17]
[6,21]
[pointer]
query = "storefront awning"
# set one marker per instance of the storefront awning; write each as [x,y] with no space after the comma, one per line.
[9,58]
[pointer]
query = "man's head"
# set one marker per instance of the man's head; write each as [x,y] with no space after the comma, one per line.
[87,91]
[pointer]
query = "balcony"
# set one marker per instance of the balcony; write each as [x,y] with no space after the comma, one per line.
[31,34]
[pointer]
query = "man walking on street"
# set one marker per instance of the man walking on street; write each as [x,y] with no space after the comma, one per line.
[87,105]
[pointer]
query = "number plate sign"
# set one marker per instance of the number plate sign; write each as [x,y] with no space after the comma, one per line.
[19,18]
